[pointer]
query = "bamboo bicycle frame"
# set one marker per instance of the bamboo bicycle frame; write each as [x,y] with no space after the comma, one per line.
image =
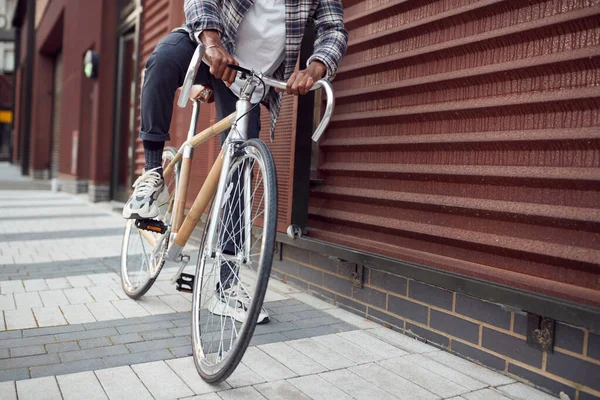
[184,227]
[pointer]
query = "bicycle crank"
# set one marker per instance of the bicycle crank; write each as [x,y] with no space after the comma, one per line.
[151,225]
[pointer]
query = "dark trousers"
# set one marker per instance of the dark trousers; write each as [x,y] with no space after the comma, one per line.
[165,70]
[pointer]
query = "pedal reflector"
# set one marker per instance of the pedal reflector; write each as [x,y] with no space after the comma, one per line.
[151,225]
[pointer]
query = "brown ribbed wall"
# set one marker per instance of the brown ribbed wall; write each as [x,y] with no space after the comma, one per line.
[155,25]
[466,138]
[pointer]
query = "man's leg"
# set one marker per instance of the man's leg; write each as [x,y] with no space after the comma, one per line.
[164,73]
[165,70]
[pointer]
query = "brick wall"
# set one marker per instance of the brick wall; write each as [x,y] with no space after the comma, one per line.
[472,328]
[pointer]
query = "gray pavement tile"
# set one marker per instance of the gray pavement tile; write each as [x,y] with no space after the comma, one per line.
[274,327]
[244,376]
[522,391]
[183,331]
[81,386]
[181,351]
[372,344]
[287,302]
[360,388]
[168,386]
[289,308]
[31,389]
[344,327]
[27,351]
[288,317]
[63,337]
[452,374]
[160,334]
[97,352]
[11,334]
[186,370]
[67,368]
[14,374]
[160,317]
[310,314]
[485,394]
[421,386]
[8,390]
[127,338]
[292,359]
[4,353]
[318,388]
[136,358]
[321,354]
[90,326]
[183,322]
[244,393]
[53,216]
[62,347]
[266,366]
[20,362]
[318,321]
[28,341]
[122,384]
[95,342]
[158,344]
[267,338]
[152,326]
[281,390]
[309,332]
[13,237]
[468,368]
[350,350]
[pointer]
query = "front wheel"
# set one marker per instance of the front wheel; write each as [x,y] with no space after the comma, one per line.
[233,272]
[142,251]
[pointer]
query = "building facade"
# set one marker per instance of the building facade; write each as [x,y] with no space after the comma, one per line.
[455,196]
[7,62]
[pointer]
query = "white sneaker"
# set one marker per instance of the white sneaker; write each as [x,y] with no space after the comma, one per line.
[144,202]
[235,303]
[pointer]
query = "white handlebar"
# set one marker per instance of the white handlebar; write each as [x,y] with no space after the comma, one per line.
[197,58]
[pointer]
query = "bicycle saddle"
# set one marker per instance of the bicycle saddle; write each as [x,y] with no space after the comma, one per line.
[202,93]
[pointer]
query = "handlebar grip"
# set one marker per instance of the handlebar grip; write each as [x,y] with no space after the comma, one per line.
[190,75]
[330,105]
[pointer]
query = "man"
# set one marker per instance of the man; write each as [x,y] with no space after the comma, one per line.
[264,35]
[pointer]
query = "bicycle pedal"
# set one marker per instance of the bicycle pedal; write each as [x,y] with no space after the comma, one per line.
[185,283]
[151,225]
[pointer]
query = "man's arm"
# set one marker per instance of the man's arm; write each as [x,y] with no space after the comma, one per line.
[201,15]
[329,48]
[331,36]
[204,17]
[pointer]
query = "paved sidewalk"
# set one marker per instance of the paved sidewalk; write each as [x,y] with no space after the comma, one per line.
[68,331]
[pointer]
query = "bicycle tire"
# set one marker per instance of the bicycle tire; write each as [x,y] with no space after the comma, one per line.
[215,373]
[131,232]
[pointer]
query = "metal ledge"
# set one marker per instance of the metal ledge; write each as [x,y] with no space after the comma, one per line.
[560,310]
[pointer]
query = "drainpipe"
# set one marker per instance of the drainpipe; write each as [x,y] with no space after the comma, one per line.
[28,85]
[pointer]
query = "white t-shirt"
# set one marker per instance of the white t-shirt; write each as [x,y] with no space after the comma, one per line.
[260,41]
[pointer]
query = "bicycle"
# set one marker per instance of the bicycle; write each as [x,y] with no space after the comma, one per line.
[243,171]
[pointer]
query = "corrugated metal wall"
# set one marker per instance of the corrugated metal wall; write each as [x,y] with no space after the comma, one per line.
[156,25]
[466,137]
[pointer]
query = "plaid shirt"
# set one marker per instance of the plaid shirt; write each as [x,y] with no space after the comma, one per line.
[329,47]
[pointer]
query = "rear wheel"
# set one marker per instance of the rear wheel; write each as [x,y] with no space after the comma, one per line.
[142,251]
[232,275]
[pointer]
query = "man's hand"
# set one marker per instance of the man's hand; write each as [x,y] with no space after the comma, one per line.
[301,81]
[218,57]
